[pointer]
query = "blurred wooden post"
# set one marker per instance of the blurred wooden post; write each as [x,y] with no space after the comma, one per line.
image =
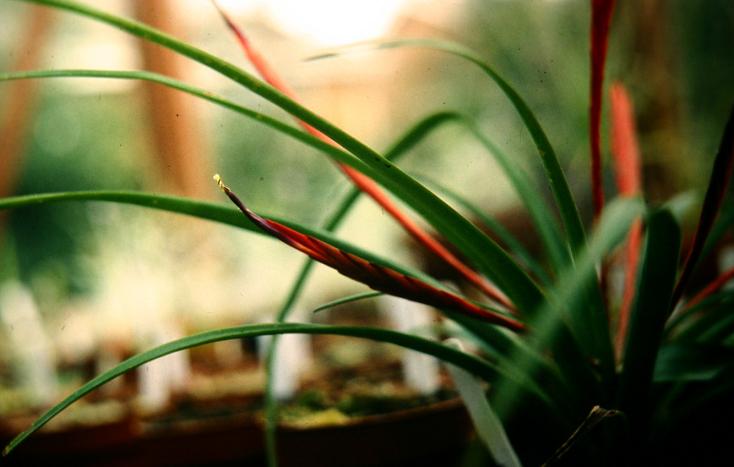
[175,131]
[19,98]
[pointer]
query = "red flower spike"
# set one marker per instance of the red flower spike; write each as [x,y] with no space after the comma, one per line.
[601,18]
[626,156]
[625,149]
[714,286]
[718,184]
[377,277]
[364,183]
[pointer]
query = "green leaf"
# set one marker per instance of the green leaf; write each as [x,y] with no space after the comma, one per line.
[720,332]
[556,178]
[506,350]
[333,152]
[488,425]
[719,182]
[382,279]
[592,318]
[549,325]
[650,311]
[697,322]
[203,210]
[691,362]
[722,225]
[469,363]
[545,223]
[348,299]
[513,245]
[400,148]
[481,250]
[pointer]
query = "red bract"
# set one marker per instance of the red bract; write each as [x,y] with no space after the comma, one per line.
[601,17]
[377,277]
[367,185]
[626,156]
[625,150]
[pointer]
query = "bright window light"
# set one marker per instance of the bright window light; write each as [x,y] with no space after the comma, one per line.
[334,22]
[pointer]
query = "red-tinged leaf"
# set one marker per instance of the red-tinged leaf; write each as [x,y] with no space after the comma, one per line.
[625,151]
[429,242]
[712,287]
[363,182]
[257,60]
[718,184]
[626,156]
[377,277]
[601,18]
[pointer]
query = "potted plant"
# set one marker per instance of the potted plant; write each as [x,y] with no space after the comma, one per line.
[577,376]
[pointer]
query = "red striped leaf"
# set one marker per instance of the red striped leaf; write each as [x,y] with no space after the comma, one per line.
[377,277]
[718,184]
[367,185]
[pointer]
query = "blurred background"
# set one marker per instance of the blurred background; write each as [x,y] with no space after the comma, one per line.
[82,285]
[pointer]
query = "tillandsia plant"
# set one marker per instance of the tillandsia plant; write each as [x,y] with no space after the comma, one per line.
[575,375]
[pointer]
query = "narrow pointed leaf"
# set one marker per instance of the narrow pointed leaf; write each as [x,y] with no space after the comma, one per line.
[556,178]
[336,154]
[486,422]
[549,326]
[506,349]
[375,276]
[505,236]
[626,156]
[470,363]
[695,323]
[365,183]
[722,226]
[202,210]
[398,150]
[486,333]
[691,362]
[543,218]
[718,184]
[648,317]
[711,288]
[260,63]
[545,223]
[595,340]
[348,299]
[601,18]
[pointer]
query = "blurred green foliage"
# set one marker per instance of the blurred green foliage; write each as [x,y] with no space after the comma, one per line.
[77,142]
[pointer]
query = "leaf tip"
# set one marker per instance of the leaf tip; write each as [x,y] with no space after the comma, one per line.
[220,183]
